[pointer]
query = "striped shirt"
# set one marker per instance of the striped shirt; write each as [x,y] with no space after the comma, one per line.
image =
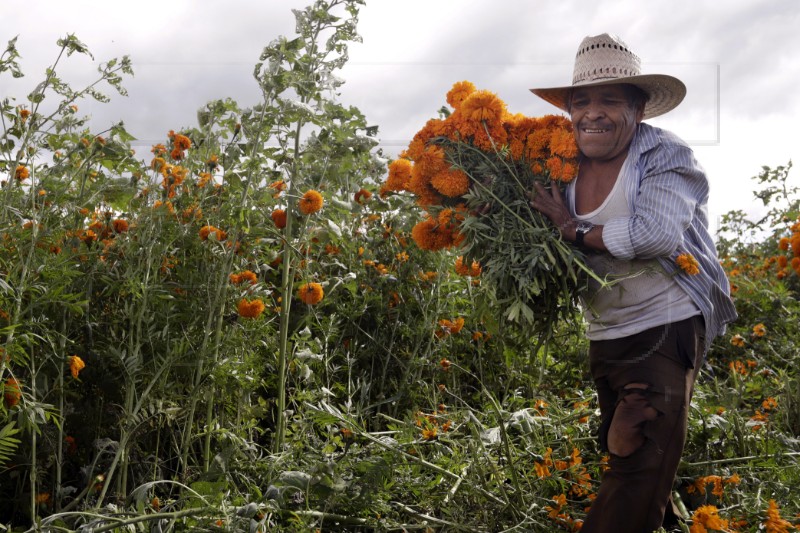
[668,199]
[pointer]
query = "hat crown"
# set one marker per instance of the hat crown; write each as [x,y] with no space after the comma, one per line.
[604,57]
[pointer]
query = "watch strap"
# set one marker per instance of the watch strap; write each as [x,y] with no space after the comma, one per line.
[580,233]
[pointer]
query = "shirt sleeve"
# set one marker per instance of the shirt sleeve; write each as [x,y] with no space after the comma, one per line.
[671,187]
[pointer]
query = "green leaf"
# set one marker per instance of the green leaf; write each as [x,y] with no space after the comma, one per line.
[8,443]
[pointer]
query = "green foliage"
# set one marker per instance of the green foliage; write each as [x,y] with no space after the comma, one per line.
[8,443]
[375,408]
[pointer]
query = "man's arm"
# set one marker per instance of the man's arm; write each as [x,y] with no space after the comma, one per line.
[669,192]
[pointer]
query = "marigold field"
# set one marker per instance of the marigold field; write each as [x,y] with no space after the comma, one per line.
[238,332]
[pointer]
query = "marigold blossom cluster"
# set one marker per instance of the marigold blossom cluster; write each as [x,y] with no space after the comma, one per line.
[246,276]
[11,392]
[688,264]
[250,308]
[310,293]
[310,202]
[439,179]
[76,364]
[706,519]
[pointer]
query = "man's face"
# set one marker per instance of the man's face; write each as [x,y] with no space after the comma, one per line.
[605,119]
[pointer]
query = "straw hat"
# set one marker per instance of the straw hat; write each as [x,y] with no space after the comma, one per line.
[605,59]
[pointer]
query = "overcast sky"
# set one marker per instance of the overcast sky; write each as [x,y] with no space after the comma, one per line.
[737,58]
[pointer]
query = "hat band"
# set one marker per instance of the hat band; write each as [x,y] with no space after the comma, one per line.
[606,73]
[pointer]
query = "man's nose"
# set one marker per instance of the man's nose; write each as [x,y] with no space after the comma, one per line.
[594,111]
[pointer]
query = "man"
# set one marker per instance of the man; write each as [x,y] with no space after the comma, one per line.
[638,209]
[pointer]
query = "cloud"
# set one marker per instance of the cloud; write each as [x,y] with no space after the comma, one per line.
[735,56]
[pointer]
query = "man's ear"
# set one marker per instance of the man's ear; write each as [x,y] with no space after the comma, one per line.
[639,112]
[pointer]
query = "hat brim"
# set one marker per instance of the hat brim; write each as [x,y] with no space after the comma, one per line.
[665,92]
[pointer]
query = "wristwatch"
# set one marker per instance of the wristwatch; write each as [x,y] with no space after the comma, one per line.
[581,229]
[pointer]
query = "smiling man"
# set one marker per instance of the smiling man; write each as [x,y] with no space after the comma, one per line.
[638,210]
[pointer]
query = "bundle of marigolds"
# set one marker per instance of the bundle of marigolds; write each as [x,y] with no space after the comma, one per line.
[472,170]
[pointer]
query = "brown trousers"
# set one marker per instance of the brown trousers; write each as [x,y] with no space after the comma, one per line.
[644,386]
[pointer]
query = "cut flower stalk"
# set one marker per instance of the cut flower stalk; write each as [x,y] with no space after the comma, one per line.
[473,172]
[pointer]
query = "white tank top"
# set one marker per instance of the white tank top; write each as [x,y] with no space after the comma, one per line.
[642,295]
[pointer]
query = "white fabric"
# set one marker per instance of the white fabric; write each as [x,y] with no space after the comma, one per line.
[642,296]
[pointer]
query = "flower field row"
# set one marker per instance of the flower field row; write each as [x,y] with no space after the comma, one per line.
[264,325]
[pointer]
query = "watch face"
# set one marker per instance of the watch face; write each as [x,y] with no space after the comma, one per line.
[584,227]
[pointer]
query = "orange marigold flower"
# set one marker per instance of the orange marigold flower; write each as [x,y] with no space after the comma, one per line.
[88,236]
[737,340]
[769,404]
[706,518]
[310,202]
[429,163]
[205,177]
[429,234]
[250,308]
[428,276]
[310,293]
[399,175]
[795,244]
[247,275]
[171,208]
[783,244]
[773,522]
[279,218]
[540,406]
[119,225]
[206,231]
[362,196]
[159,150]
[278,186]
[433,128]
[759,330]
[555,512]
[181,142]
[11,393]
[562,142]
[481,106]
[541,469]
[450,326]
[462,269]
[459,92]
[21,173]
[445,364]
[429,433]
[451,182]
[76,364]
[688,264]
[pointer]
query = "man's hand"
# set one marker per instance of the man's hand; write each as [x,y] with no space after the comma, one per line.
[552,205]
